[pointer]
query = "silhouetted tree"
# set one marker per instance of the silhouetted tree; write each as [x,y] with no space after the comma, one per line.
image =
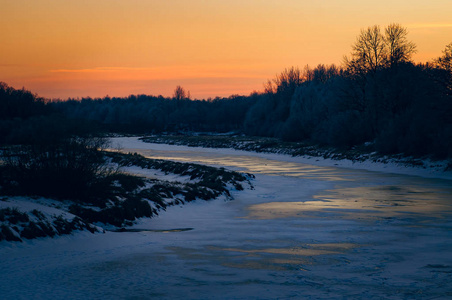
[64,168]
[321,73]
[445,61]
[180,93]
[288,80]
[269,88]
[20,104]
[373,50]
[369,51]
[399,49]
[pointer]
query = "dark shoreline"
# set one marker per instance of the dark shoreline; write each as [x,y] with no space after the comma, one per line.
[360,153]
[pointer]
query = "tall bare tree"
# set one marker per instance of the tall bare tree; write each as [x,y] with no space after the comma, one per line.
[399,49]
[374,50]
[180,93]
[369,51]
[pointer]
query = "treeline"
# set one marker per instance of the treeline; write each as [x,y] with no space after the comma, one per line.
[26,118]
[379,96]
[43,152]
[151,114]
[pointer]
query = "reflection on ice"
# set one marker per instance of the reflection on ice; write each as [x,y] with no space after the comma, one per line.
[363,203]
[289,258]
[307,250]
[251,164]
[358,194]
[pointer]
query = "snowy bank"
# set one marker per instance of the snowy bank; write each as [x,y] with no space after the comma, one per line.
[143,188]
[396,165]
[303,232]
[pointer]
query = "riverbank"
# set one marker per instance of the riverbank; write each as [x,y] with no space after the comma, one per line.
[357,158]
[304,231]
[138,188]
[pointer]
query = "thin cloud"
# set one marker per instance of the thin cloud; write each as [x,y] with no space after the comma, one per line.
[197,67]
[9,65]
[430,25]
[167,72]
[98,70]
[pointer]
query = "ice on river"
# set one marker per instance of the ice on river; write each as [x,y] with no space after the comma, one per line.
[304,231]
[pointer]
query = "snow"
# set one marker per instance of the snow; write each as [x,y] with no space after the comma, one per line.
[430,169]
[306,231]
[48,206]
[157,174]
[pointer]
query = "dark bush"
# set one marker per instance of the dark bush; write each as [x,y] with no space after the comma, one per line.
[12,215]
[129,209]
[8,235]
[38,214]
[66,170]
[33,231]
[62,225]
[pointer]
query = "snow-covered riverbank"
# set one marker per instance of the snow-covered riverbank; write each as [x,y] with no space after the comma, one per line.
[304,231]
[429,168]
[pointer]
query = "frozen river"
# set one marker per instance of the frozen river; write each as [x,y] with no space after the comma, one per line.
[304,231]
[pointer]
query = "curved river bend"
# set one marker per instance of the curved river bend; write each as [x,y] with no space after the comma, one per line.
[304,231]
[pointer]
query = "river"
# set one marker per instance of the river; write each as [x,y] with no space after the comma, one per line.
[303,231]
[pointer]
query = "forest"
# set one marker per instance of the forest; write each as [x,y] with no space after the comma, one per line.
[378,97]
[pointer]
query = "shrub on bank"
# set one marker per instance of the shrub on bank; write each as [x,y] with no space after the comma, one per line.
[16,225]
[67,169]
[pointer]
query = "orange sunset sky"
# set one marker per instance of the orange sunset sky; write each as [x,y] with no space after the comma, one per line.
[68,48]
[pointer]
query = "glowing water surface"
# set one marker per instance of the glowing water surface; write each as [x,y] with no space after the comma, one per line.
[349,232]
[356,193]
[303,232]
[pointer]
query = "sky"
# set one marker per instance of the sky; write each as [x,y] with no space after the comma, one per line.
[61,49]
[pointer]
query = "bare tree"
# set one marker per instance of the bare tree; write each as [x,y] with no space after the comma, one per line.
[288,80]
[445,61]
[180,93]
[369,51]
[269,88]
[374,50]
[399,49]
[321,73]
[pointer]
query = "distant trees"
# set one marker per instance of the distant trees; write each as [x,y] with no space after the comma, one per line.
[273,114]
[43,152]
[143,114]
[180,93]
[20,104]
[322,73]
[267,116]
[26,118]
[288,80]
